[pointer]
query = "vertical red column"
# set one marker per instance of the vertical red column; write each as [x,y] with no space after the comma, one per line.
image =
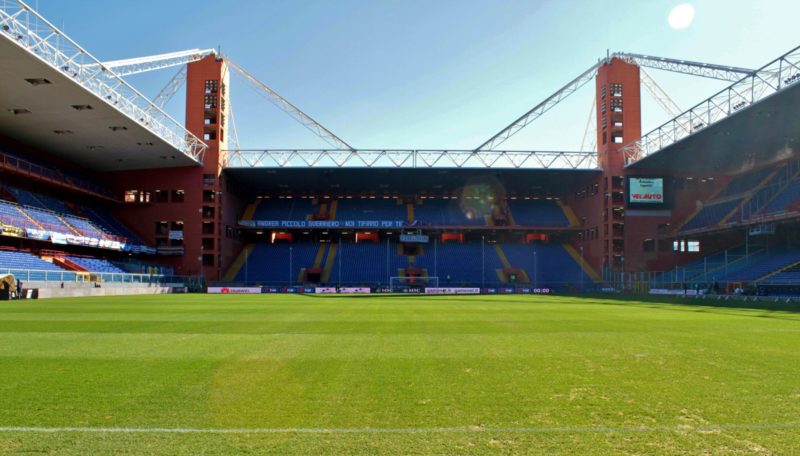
[190,217]
[206,111]
[619,121]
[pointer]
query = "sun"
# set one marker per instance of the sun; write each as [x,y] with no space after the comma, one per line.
[681,16]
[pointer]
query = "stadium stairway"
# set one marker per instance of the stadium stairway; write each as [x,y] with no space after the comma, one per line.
[410,212]
[233,271]
[329,262]
[784,198]
[569,214]
[250,210]
[332,211]
[748,196]
[319,257]
[69,265]
[776,272]
[28,216]
[72,228]
[323,247]
[583,264]
[697,210]
[722,269]
[522,275]
[319,209]
[509,214]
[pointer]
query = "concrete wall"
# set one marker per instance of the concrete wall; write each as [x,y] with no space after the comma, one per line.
[76,290]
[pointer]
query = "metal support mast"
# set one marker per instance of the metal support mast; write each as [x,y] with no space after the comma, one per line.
[138,65]
[705,70]
[537,111]
[290,109]
[659,94]
[172,87]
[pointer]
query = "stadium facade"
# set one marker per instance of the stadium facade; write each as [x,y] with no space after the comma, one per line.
[96,180]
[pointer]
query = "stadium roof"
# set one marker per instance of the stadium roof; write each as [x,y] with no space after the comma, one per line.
[59,98]
[754,136]
[403,181]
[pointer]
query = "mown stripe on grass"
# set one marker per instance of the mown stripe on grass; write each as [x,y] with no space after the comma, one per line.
[437,430]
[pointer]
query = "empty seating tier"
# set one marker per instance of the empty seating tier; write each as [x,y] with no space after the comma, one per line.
[537,213]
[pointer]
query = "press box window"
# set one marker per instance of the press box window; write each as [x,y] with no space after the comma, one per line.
[178,196]
[137,196]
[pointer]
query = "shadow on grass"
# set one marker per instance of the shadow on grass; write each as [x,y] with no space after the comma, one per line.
[770,307]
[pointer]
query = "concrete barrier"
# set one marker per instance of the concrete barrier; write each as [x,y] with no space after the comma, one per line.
[76,292]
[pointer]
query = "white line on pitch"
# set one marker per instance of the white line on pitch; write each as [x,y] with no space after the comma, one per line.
[440,430]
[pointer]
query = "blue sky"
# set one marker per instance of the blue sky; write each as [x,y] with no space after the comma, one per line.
[426,74]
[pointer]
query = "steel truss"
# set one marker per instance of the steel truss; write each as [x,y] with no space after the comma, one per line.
[291,110]
[705,70]
[22,25]
[375,158]
[538,110]
[758,85]
[139,65]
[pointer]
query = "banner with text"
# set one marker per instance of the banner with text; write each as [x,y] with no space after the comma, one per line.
[321,223]
[452,290]
[235,290]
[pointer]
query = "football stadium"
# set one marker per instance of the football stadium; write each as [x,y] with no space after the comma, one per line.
[167,287]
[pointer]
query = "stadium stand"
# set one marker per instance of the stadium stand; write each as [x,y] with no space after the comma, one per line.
[35,267]
[363,263]
[372,264]
[13,161]
[95,264]
[550,265]
[283,209]
[461,263]
[10,214]
[744,182]
[783,199]
[38,211]
[11,259]
[711,214]
[270,263]
[540,212]
[788,276]
[110,224]
[764,265]
[441,212]
[371,209]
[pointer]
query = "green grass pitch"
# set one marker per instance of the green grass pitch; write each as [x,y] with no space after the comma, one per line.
[284,374]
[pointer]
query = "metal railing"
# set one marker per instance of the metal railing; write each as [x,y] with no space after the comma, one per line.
[408,158]
[21,24]
[22,166]
[37,275]
[772,78]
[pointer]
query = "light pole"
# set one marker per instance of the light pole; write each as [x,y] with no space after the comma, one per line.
[483,263]
[435,257]
[202,272]
[388,267]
